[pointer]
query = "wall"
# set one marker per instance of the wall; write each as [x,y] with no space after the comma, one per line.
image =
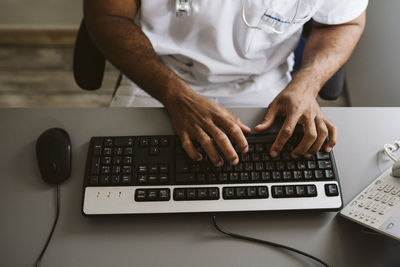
[373,72]
[40,13]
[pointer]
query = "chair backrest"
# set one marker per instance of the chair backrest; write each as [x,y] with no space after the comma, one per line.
[89,62]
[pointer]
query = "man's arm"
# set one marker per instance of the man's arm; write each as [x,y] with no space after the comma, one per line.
[110,24]
[327,49]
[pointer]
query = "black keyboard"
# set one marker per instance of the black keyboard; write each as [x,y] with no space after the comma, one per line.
[153,174]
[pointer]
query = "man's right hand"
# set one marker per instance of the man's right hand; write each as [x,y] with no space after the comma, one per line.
[198,118]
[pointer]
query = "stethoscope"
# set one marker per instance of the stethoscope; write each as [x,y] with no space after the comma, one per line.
[184,7]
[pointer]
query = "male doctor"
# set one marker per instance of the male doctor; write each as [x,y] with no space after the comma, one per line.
[203,55]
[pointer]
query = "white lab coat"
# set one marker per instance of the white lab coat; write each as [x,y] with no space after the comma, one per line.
[219,57]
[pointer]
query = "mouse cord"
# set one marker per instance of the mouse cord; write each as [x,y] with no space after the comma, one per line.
[37,263]
[264,242]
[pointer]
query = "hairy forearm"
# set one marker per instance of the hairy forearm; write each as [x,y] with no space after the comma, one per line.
[126,47]
[326,50]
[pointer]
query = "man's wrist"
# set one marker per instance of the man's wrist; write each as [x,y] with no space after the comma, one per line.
[174,89]
[307,82]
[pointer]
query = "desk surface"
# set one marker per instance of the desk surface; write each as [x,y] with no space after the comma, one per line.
[27,205]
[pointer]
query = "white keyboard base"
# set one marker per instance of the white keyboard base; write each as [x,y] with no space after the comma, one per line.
[121,200]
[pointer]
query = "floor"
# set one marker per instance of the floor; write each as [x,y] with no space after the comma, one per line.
[41,76]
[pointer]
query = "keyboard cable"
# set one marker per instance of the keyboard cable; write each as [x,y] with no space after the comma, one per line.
[264,242]
[37,263]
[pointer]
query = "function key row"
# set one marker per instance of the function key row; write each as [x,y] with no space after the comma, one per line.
[253,177]
[288,191]
[183,166]
[118,141]
[245,192]
[202,193]
[154,141]
[107,180]
[156,194]
[109,151]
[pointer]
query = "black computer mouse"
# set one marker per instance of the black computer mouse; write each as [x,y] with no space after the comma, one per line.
[53,154]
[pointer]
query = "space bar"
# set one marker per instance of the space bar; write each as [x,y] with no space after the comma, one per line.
[269,139]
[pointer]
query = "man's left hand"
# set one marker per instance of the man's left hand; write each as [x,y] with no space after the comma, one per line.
[298,104]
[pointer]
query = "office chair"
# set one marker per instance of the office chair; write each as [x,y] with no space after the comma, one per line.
[89,65]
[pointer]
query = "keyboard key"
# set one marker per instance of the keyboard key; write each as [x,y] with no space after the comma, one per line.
[142,169]
[115,179]
[179,194]
[324,164]
[262,192]
[104,179]
[277,191]
[213,193]
[107,151]
[142,179]
[259,166]
[117,160]
[154,141]
[241,192]
[152,195]
[301,165]
[244,176]
[222,177]
[289,191]
[311,164]
[297,175]
[201,177]
[319,174]
[259,148]
[248,166]
[287,175]
[126,169]
[105,169]
[212,177]
[163,168]
[154,151]
[308,175]
[276,176]
[191,194]
[118,151]
[329,174]
[124,142]
[140,195]
[106,160]
[228,193]
[128,151]
[153,178]
[153,168]
[300,190]
[97,150]
[164,141]
[164,194]
[94,180]
[108,142]
[233,176]
[127,160]
[143,141]
[331,190]
[311,190]
[322,155]
[95,166]
[202,193]
[245,157]
[164,178]
[251,192]
[280,165]
[265,176]
[126,179]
